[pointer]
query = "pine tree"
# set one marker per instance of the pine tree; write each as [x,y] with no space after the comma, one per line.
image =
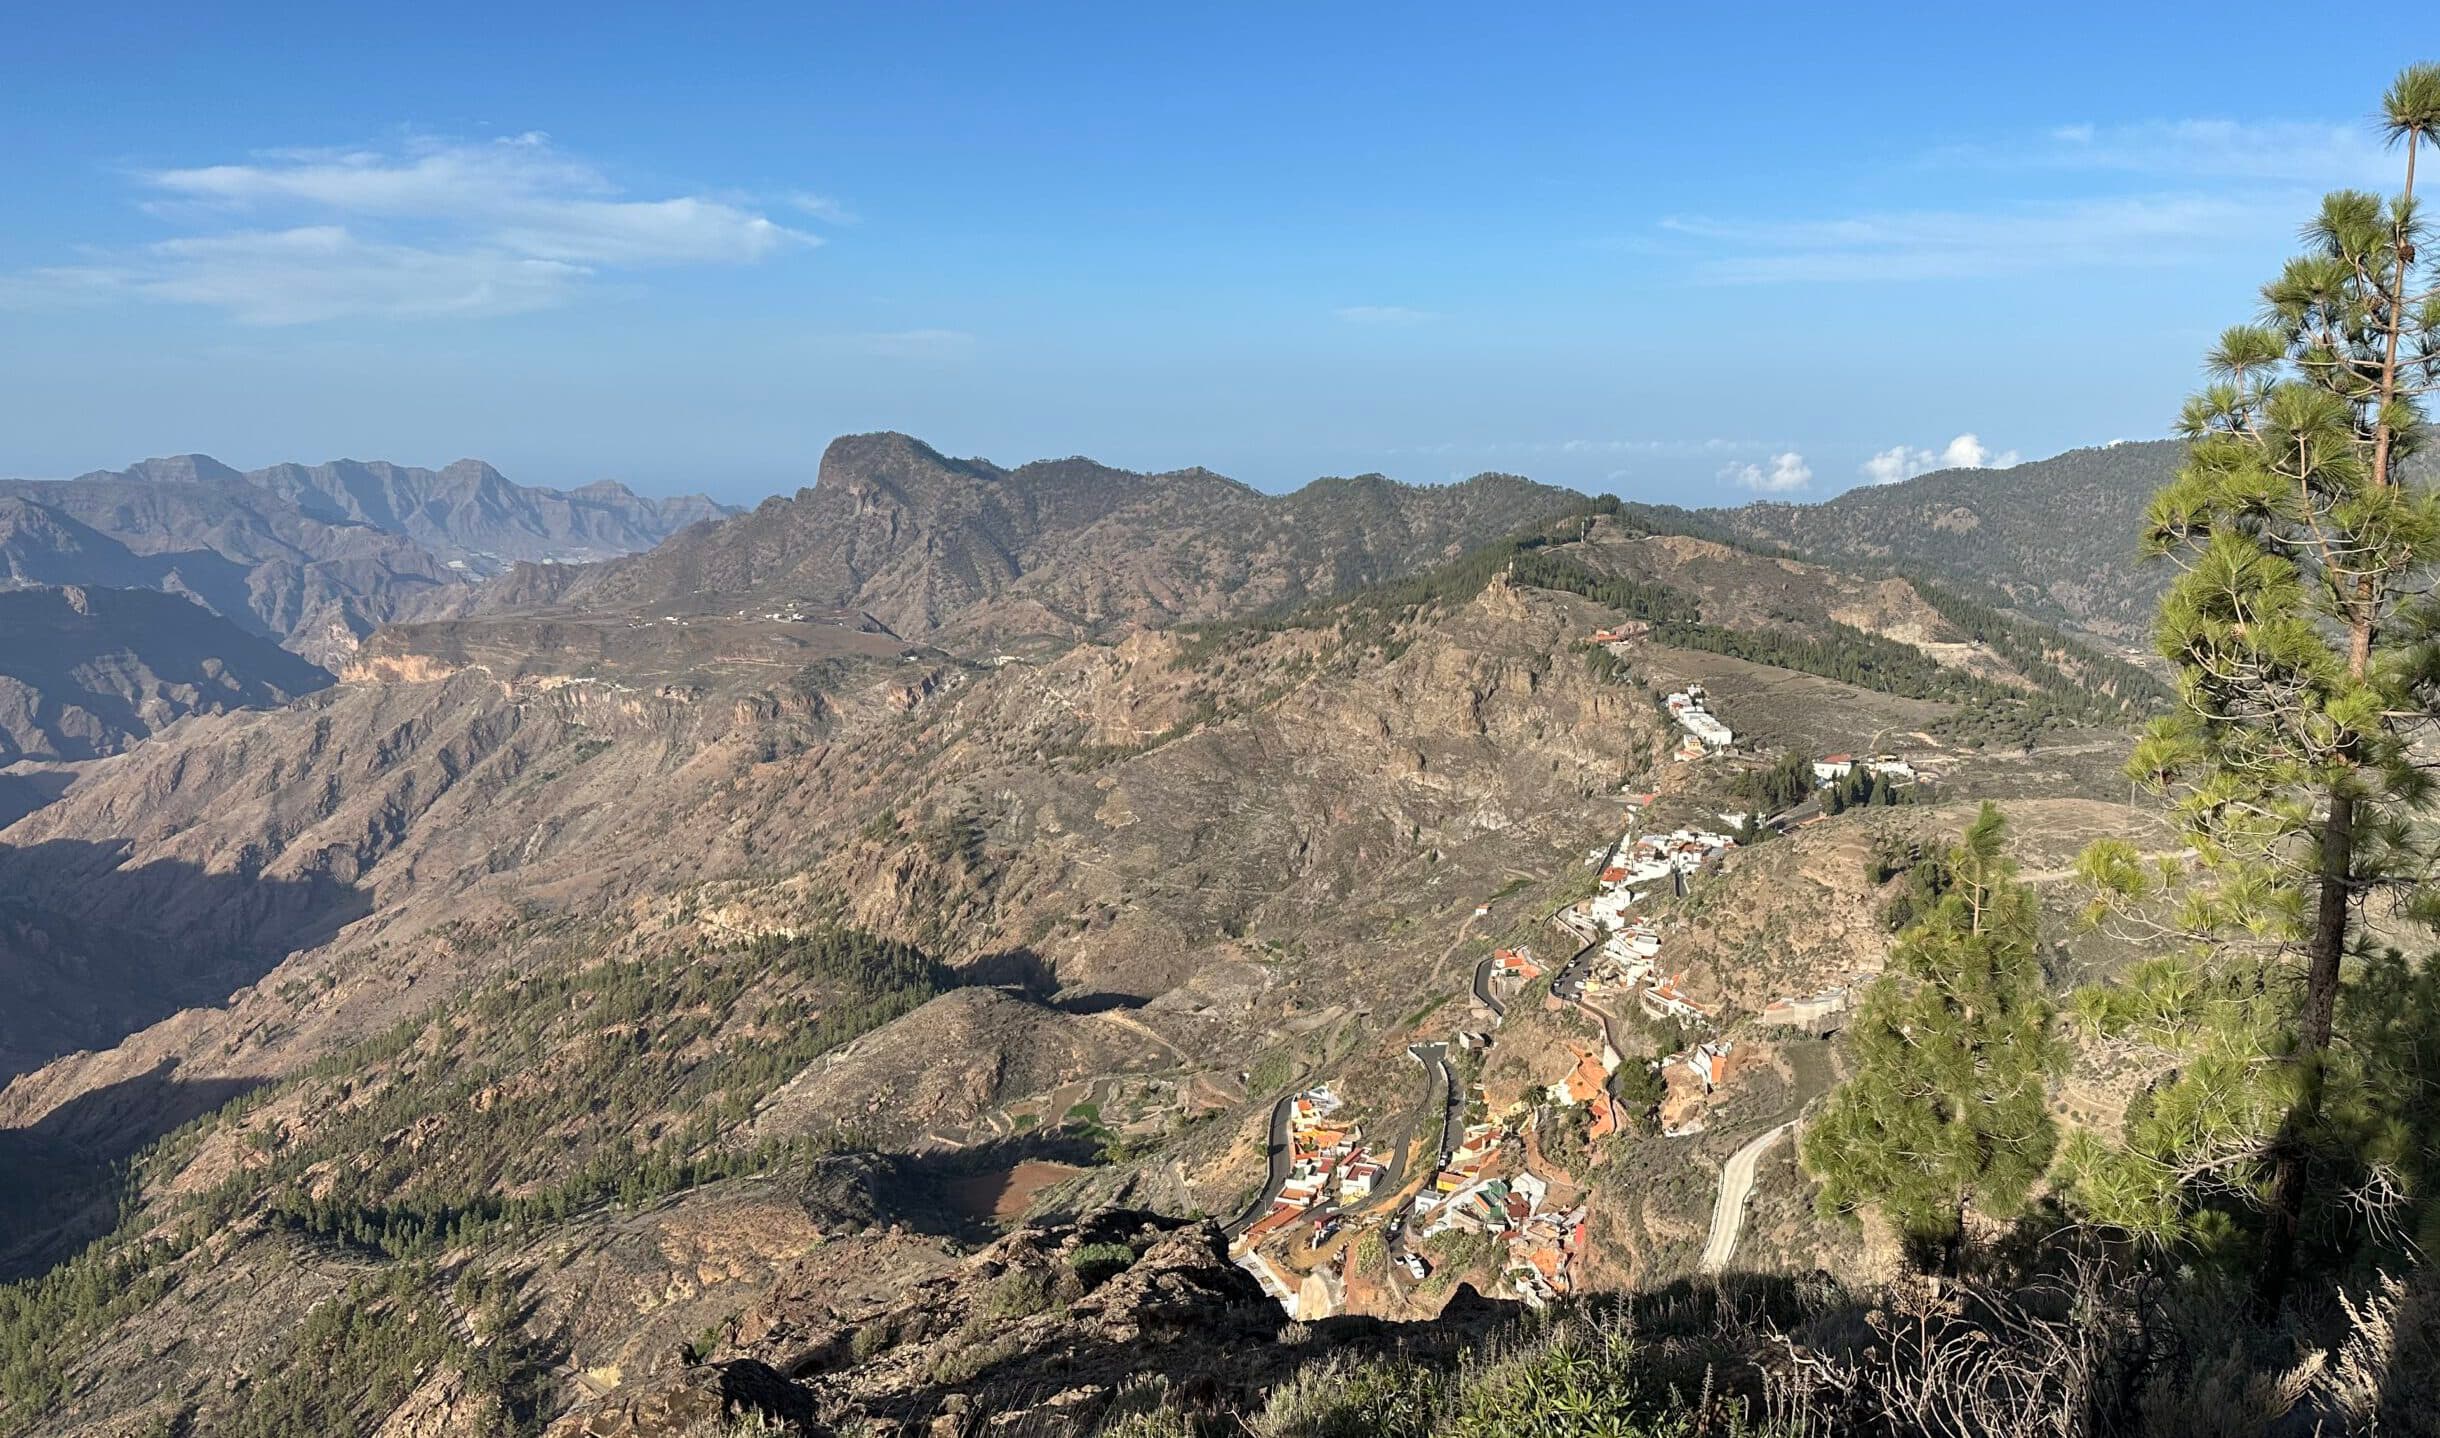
[2302,633]
[1947,1109]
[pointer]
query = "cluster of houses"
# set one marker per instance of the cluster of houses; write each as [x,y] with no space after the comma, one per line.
[1477,1192]
[1326,1160]
[1642,866]
[1705,734]
[1484,1185]
[1625,962]
[1629,958]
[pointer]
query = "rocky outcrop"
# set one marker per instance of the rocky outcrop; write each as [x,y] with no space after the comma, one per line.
[1045,1326]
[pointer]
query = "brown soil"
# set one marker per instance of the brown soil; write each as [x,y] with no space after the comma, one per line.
[1004,1194]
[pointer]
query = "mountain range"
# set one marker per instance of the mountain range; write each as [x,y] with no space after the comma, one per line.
[648,978]
[1055,550]
[315,558]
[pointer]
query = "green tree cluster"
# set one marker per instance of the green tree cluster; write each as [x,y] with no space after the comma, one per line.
[1947,1110]
[1784,785]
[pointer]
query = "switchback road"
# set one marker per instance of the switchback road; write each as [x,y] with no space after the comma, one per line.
[1280,1156]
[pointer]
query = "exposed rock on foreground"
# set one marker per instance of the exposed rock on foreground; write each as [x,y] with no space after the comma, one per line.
[1047,1329]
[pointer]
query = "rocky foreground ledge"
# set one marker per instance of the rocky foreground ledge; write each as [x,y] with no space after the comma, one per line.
[1053,1328]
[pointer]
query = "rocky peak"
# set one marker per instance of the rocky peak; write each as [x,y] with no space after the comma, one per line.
[474,475]
[176,469]
[901,469]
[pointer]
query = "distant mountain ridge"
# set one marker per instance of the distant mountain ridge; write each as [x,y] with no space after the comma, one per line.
[1060,547]
[2056,537]
[243,553]
[467,513]
[317,556]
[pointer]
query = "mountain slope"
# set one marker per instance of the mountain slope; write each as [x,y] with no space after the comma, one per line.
[2056,536]
[86,671]
[557,932]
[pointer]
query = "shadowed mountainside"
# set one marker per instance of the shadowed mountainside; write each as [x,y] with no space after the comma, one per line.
[93,949]
[86,671]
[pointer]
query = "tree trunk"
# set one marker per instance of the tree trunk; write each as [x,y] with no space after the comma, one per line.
[2328,946]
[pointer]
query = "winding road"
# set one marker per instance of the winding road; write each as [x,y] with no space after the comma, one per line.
[1728,1210]
[1482,989]
[1280,1158]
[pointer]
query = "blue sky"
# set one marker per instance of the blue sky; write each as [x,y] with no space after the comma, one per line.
[1694,257]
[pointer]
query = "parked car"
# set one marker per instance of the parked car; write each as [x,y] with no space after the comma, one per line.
[1416,1266]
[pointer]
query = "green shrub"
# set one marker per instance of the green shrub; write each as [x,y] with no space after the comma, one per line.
[963,1358]
[1096,1262]
[1018,1293]
[1339,1398]
[1271,1074]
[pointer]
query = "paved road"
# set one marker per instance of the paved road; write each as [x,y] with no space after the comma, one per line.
[1568,983]
[1280,1158]
[1452,1099]
[1482,989]
[1728,1211]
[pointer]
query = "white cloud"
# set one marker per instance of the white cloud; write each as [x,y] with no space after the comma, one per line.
[1786,473]
[1947,244]
[431,227]
[1381,315]
[2222,184]
[1966,451]
[310,273]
